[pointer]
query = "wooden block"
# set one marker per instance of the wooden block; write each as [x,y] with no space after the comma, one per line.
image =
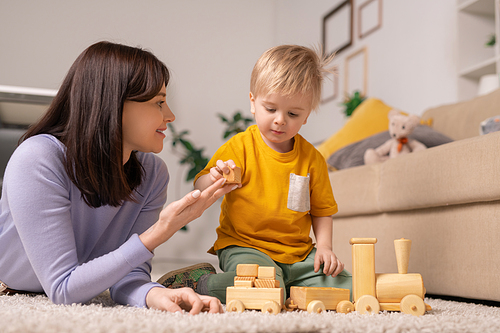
[302,296]
[353,241]
[244,278]
[254,298]
[265,283]
[363,270]
[234,176]
[247,270]
[267,272]
[244,281]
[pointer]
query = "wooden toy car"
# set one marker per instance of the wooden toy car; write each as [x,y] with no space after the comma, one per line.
[319,299]
[255,288]
[392,292]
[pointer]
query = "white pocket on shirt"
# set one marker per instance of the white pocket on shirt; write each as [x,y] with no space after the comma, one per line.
[298,193]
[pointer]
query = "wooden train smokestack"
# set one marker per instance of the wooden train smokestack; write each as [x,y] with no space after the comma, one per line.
[402,247]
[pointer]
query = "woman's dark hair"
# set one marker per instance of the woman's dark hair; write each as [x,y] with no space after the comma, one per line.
[86,116]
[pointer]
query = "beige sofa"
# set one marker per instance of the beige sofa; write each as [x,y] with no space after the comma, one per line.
[446,199]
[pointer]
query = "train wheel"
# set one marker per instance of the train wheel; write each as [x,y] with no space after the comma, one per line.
[235,306]
[345,307]
[271,307]
[316,307]
[413,304]
[367,304]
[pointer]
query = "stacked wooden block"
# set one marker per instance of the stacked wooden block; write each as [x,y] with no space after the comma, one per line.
[252,275]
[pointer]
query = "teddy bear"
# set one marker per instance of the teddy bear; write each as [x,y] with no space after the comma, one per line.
[400,127]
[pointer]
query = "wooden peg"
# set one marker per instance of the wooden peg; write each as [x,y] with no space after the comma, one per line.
[402,247]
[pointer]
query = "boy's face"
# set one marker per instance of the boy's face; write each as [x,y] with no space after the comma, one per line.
[280,118]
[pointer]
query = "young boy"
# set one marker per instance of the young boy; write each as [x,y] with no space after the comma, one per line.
[285,186]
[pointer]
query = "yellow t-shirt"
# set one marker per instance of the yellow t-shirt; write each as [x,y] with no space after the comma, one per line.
[271,212]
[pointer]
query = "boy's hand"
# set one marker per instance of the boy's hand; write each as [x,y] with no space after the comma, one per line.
[221,168]
[331,264]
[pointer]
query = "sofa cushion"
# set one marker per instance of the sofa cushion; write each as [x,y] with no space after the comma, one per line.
[369,118]
[462,120]
[352,155]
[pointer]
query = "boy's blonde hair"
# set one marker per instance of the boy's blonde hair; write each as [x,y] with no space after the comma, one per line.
[290,69]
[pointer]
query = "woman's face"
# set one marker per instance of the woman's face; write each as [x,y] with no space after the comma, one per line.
[143,124]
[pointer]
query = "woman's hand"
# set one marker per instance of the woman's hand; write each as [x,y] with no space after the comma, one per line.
[173,300]
[331,264]
[181,212]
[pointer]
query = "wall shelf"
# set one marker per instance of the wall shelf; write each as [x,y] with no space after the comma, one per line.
[483,68]
[478,7]
[477,22]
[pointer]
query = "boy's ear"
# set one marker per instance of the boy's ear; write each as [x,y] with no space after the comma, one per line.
[305,120]
[252,103]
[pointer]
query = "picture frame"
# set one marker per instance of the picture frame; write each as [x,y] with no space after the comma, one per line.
[338,28]
[330,89]
[369,17]
[356,72]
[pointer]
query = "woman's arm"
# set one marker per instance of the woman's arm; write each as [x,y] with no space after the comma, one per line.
[52,228]
[181,212]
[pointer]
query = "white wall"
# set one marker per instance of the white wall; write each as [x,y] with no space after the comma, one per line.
[211,46]
[412,58]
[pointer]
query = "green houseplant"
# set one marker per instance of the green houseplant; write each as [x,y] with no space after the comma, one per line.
[237,124]
[352,102]
[190,155]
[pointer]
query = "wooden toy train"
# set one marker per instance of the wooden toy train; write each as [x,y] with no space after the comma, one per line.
[257,288]
[392,292]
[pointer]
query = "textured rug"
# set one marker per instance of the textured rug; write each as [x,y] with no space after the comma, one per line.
[37,314]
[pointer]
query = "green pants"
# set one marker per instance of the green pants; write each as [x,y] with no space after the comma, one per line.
[299,274]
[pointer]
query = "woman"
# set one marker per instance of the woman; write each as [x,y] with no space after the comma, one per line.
[82,200]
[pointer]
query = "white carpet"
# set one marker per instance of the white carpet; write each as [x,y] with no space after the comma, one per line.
[37,314]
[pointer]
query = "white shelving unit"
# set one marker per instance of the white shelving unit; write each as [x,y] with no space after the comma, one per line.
[477,21]
[22,106]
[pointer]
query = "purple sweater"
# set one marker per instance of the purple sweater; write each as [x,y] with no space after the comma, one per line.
[52,241]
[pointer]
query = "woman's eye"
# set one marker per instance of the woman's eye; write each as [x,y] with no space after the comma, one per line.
[160,103]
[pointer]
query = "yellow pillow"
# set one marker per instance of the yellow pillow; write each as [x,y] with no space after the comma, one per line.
[369,118]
